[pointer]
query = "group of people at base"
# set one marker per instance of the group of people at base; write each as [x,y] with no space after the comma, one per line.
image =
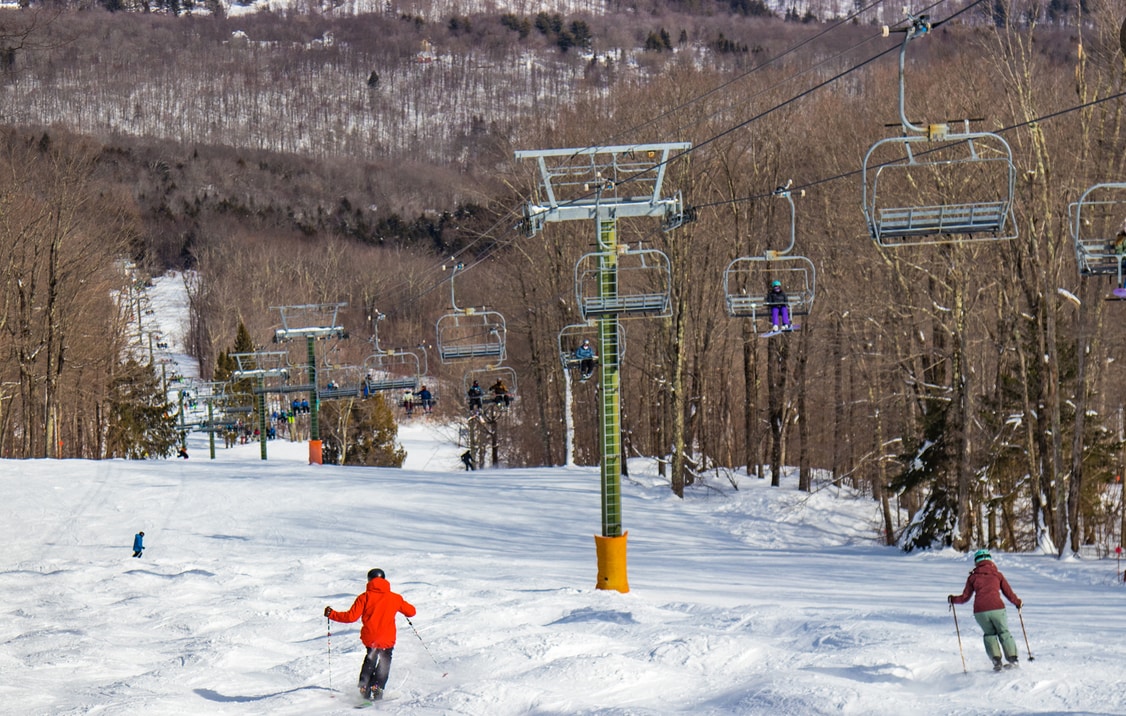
[986,584]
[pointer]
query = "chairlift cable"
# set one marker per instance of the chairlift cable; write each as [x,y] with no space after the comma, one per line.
[512,215]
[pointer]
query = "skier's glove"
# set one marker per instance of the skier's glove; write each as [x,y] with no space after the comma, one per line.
[328,610]
[949,599]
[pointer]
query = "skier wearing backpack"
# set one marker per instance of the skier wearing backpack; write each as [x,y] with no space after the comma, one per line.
[377,608]
[986,584]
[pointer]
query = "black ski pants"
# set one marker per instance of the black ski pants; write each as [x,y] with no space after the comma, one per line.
[376,668]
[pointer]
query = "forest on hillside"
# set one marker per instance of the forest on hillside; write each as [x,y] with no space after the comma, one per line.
[972,387]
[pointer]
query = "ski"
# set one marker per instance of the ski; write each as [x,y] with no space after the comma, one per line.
[770,334]
[370,704]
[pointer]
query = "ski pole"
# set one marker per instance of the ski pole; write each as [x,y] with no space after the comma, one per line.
[959,633]
[328,623]
[1026,646]
[424,644]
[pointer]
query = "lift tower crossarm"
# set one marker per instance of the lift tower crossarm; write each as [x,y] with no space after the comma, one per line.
[577,182]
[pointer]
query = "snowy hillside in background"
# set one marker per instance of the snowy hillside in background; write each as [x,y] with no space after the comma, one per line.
[434,10]
[757,601]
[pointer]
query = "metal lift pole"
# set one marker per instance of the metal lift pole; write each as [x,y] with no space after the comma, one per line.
[611,430]
[314,403]
[262,414]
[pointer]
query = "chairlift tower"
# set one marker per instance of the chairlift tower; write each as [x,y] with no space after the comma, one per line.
[212,392]
[605,184]
[311,322]
[261,365]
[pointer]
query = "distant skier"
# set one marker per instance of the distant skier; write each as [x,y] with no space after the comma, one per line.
[585,356]
[183,452]
[138,544]
[377,608]
[467,460]
[986,584]
[779,307]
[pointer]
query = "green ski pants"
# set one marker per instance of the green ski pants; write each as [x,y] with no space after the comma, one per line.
[995,626]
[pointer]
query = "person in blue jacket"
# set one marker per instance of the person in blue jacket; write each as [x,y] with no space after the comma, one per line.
[138,544]
[585,354]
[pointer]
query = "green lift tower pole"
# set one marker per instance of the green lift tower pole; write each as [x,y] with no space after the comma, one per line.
[314,395]
[611,415]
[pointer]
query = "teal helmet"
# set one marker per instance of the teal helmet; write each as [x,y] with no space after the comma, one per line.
[981,555]
[776,283]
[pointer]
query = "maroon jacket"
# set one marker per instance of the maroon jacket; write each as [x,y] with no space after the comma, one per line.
[988,584]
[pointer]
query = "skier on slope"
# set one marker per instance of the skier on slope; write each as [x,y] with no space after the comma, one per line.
[138,544]
[377,608]
[986,584]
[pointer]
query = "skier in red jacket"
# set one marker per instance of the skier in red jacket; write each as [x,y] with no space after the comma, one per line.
[377,607]
[986,584]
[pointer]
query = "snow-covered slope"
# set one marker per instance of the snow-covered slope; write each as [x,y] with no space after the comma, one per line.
[757,601]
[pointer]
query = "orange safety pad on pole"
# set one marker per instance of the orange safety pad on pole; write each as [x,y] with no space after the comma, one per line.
[611,553]
[315,452]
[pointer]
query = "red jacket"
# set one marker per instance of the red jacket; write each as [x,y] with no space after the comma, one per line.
[377,607]
[988,584]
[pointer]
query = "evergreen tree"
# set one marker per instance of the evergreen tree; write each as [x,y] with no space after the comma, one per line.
[140,423]
[926,466]
[364,431]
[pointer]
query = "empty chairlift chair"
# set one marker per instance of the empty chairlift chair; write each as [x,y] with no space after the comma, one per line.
[641,281]
[934,185]
[469,334]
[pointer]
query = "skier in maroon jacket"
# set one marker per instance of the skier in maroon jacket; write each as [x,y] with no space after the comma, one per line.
[986,584]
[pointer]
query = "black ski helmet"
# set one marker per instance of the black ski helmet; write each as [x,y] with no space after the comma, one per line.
[376,573]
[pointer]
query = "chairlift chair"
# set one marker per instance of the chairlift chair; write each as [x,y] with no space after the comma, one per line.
[471,334]
[487,377]
[642,281]
[392,370]
[339,382]
[747,281]
[572,336]
[919,191]
[1096,220]
[931,185]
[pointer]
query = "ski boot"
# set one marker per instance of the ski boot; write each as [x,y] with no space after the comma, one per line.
[997,663]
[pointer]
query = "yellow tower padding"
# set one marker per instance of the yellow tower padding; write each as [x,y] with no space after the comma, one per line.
[611,553]
[315,452]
